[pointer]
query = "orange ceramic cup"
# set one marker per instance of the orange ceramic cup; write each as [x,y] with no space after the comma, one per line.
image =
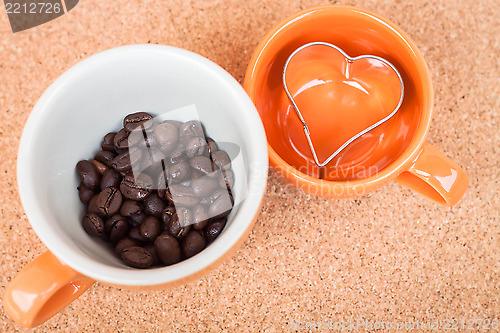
[67,125]
[395,150]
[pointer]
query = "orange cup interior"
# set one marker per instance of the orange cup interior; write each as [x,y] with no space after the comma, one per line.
[376,154]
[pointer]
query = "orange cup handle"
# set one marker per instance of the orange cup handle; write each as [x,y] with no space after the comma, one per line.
[435,176]
[41,289]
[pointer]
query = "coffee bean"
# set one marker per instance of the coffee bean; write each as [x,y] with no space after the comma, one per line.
[178,173]
[185,216]
[137,257]
[151,248]
[192,244]
[226,179]
[150,228]
[201,164]
[153,205]
[130,207]
[196,146]
[117,227]
[85,194]
[93,225]
[137,120]
[211,146]
[221,160]
[124,243]
[92,206]
[175,228]
[137,188]
[136,235]
[181,195]
[168,249]
[221,206]
[167,136]
[101,167]
[189,130]
[125,161]
[89,175]
[200,217]
[213,230]
[107,142]
[204,186]
[109,201]
[121,140]
[136,219]
[110,178]
[152,157]
[177,155]
[105,157]
[167,214]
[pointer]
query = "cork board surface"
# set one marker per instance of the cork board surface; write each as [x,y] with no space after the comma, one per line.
[390,255]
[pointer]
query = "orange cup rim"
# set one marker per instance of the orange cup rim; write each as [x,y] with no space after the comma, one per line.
[415,146]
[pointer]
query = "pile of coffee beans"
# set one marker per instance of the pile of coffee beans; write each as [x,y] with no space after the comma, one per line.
[159,192]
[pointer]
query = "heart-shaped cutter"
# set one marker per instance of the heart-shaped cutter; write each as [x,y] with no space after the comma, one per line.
[366,130]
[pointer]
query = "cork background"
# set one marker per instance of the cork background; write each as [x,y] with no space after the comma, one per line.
[390,255]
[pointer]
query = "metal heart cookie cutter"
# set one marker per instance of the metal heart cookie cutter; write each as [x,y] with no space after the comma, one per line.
[350,60]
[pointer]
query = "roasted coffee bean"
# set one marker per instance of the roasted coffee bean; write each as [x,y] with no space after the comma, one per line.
[93,225]
[201,164]
[196,174]
[192,244]
[167,214]
[153,205]
[189,130]
[196,146]
[181,196]
[110,178]
[167,136]
[221,160]
[124,243]
[109,201]
[121,140]
[89,175]
[150,228]
[211,146]
[213,230]
[105,157]
[126,160]
[107,142]
[215,195]
[101,167]
[117,227]
[175,228]
[185,216]
[137,120]
[151,248]
[137,188]
[204,186]
[130,207]
[85,194]
[178,173]
[136,219]
[226,179]
[152,157]
[177,155]
[200,217]
[168,249]
[137,257]
[135,234]
[92,206]
[221,206]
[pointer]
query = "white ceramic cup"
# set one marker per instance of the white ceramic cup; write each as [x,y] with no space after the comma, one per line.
[67,125]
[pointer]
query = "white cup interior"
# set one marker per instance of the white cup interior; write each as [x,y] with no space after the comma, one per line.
[90,100]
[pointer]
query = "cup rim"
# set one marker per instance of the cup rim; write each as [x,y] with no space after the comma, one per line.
[206,259]
[389,172]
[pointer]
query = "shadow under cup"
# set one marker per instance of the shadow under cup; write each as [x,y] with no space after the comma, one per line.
[95,97]
[356,34]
